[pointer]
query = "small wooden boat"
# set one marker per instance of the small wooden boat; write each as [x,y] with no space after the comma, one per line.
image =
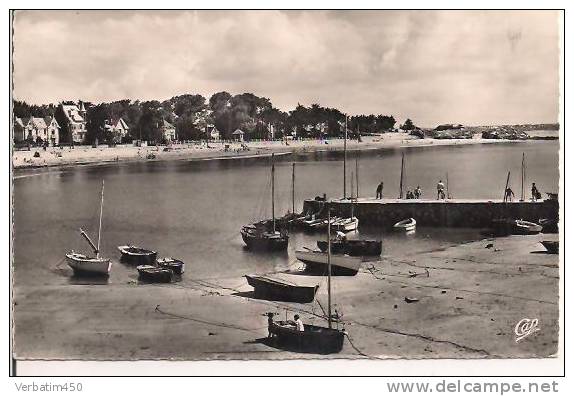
[82,264]
[316,339]
[154,274]
[137,255]
[549,226]
[259,239]
[551,246]
[86,265]
[406,225]
[523,227]
[316,262]
[346,224]
[177,266]
[353,247]
[279,290]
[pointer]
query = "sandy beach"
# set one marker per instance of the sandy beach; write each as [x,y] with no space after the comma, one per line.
[470,299]
[83,155]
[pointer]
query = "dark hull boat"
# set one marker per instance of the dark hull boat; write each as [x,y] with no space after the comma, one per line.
[353,247]
[177,266]
[272,289]
[316,339]
[317,262]
[153,274]
[257,238]
[137,256]
[551,246]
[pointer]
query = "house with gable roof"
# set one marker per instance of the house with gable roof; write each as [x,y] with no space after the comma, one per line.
[75,119]
[118,127]
[37,130]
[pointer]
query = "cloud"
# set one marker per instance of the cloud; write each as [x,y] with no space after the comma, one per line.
[474,67]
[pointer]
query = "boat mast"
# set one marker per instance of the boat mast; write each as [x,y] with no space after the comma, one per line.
[522,180]
[329,265]
[293,188]
[273,189]
[505,188]
[100,226]
[345,162]
[357,174]
[402,171]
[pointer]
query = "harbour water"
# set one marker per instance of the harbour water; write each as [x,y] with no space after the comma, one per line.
[194,210]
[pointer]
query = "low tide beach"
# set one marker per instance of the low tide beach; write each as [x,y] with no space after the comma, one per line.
[468,300]
[83,155]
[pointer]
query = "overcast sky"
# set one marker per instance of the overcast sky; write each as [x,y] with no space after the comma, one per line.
[433,66]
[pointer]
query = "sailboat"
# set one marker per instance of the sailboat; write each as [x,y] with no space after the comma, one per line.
[346,224]
[262,235]
[313,338]
[83,264]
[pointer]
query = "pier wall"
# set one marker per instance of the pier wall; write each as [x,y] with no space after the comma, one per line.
[473,214]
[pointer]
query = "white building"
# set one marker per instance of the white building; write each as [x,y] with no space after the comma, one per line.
[118,128]
[37,130]
[167,131]
[76,119]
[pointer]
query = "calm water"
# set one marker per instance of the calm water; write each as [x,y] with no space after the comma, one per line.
[194,210]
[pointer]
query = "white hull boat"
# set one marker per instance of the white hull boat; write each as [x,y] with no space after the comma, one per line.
[83,264]
[317,261]
[407,225]
[346,225]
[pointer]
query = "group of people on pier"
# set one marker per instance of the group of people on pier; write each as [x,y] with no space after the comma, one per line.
[509,194]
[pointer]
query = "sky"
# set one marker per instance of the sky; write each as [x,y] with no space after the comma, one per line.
[468,67]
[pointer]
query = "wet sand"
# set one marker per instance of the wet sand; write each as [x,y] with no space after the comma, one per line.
[469,302]
[85,155]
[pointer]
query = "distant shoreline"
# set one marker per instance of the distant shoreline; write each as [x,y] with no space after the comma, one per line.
[87,156]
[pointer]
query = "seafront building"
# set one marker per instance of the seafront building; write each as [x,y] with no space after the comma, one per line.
[118,127]
[37,130]
[75,118]
[167,131]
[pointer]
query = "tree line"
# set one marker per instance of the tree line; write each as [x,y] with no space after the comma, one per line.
[192,113]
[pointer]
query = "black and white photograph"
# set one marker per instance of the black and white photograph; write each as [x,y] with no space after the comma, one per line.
[286,185]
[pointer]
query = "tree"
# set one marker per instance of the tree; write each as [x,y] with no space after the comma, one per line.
[408,125]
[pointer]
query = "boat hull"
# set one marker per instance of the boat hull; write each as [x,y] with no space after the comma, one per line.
[83,265]
[137,256]
[315,339]
[346,225]
[177,266]
[353,248]
[549,226]
[522,227]
[316,262]
[406,225]
[268,289]
[153,274]
[261,242]
[551,246]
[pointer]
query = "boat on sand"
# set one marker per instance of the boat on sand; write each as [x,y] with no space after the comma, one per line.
[280,290]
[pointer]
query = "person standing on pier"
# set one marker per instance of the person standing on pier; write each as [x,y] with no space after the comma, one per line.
[418,192]
[508,195]
[380,191]
[440,190]
[535,193]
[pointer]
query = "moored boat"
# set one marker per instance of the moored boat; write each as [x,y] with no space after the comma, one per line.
[549,226]
[155,274]
[86,265]
[317,339]
[346,224]
[137,255]
[406,225]
[523,227]
[279,290]
[353,247]
[316,262]
[176,265]
[551,246]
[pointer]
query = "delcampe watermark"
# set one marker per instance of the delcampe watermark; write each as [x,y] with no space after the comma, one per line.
[525,327]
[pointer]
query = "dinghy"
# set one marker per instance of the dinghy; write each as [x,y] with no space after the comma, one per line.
[354,247]
[154,274]
[177,266]
[346,224]
[279,290]
[137,255]
[406,225]
[549,226]
[523,227]
[316,262]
